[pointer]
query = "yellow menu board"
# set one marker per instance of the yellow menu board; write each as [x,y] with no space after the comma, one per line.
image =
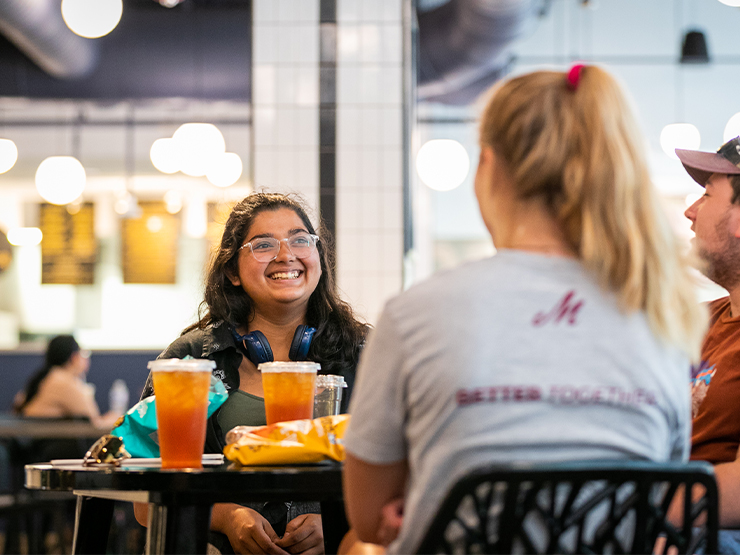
[69,249]
[149,245]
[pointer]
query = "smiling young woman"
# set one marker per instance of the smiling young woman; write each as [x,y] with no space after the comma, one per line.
[278,280]
[269,295]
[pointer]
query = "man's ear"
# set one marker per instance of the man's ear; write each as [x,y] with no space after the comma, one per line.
[735,220]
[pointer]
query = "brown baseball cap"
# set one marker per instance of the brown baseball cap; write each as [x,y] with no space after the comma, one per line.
[701,165]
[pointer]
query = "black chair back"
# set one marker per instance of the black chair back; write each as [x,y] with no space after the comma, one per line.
[577,507]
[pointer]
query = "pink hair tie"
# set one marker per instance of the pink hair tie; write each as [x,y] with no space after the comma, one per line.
[574,76]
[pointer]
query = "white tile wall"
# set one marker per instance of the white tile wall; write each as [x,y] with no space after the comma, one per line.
[369,153]
[369,130]
[286,96]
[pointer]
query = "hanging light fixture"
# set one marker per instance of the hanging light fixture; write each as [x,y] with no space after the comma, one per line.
[732,128]
[24,236]
[679,135]
[60,179]
[225,169]
[694,49]
[198,145]
[442,164]
[164,156]
[732,3]
[173,201]
[92,19]
[8,154]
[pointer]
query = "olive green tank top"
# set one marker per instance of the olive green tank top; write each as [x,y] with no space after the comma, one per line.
[242,409]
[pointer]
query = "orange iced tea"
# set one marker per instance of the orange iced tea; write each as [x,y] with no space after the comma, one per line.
[181,392]
[289,389]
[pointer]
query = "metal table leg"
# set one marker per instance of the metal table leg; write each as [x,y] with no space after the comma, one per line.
[178,528]
[334,524]
[92,524]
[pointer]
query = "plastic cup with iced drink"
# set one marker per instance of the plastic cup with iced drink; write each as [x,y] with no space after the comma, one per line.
[328,396]
[181,393]
[289,390]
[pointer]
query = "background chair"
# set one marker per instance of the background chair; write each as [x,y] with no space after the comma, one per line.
[577,507]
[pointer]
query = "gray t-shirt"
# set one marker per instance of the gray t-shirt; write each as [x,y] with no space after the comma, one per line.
[519,357]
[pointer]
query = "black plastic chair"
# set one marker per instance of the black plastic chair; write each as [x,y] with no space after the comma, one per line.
[577,507]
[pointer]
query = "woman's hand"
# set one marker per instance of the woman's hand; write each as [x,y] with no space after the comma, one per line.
[304,535]
[247,530]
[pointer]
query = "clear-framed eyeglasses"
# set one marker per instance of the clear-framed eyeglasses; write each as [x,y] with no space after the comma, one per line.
[266,249]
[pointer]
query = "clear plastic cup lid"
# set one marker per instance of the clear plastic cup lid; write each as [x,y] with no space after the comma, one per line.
[330,380]
[182,365]
[266,367]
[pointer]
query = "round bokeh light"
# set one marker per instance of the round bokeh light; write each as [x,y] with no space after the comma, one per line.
[92,19]
[60,179]
[197,146]
[679,135]
[8,154]
[442,164]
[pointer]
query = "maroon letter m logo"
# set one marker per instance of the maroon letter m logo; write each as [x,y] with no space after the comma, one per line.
[566,309]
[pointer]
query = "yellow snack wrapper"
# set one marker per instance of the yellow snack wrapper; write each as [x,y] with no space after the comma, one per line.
[292,442]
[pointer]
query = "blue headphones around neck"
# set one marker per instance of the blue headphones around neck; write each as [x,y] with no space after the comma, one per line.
[257,349]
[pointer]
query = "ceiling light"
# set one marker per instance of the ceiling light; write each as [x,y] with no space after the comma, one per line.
[442,164]
[679,135]
[127,205]
[733,3]
[163,155]
[694,49]
[60,179]
[173,201]
[732,129]
[74,207]
[92,18]
[225,170]
[24,236]
[8,154]
[198,144]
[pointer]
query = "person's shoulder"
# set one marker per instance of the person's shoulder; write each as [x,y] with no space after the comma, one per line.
[454,281]
[189,343]
[58,375]
[718,308]
[59,380]
[718,305]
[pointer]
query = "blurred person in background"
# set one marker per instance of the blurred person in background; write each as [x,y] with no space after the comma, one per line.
[58,389]
[269,295]
[573,342]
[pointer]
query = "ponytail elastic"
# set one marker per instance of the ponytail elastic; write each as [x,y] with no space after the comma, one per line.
[574,76]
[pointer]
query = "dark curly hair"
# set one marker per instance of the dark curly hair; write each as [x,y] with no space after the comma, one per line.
[339,334]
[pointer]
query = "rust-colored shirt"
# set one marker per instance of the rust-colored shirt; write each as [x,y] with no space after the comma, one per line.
[716,389]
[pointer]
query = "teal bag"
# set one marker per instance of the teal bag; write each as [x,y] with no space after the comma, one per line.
[139,426]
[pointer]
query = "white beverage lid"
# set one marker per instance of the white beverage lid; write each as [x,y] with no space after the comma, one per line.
[181,365]
[330,380]
[307,367]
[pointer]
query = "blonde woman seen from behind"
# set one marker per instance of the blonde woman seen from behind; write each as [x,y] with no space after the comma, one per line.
[573,342]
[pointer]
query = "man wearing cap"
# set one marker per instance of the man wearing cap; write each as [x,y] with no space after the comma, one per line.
[715,220]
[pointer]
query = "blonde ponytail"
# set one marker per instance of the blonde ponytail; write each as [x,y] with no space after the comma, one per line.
[578,147]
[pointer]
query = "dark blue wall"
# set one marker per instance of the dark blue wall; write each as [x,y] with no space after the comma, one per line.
[16,367]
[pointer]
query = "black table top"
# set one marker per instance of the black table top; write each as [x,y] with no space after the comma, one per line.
[226,482]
